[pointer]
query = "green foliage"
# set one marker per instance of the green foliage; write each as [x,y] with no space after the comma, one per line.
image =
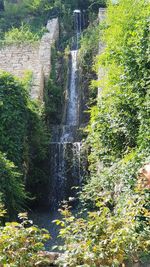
[20,35]
[106,237]
[37,12]
[27,8]
[2,210]
[118,146]
[32,13]
[118,227]
[20,243]
[116,121]
[24,140]
[57,83]
[13,117]
[37,130]
[65,12]
[13,131]
[120,177]
[93,8]
[37,152]
[88,51]
[11,186]
[89,42]
[37,6]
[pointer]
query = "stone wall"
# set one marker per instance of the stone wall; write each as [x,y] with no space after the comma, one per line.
[17,59]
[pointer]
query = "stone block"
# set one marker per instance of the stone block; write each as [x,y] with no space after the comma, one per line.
[16,59]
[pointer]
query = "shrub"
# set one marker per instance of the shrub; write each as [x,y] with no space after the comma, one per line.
[117,227]
[20,243]
[20,35]
[117,119]
[37,153]
[13,117]
[106,237]
[24,137]
[11,186]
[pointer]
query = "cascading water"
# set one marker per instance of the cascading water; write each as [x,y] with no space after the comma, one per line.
[72,111]
[65,150]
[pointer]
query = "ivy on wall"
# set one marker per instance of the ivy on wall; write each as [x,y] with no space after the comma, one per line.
[24,140]
[13,117]
[55,87]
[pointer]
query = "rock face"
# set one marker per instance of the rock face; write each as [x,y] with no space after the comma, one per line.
[17,59]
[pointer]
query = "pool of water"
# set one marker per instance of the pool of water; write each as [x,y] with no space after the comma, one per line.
[44,219]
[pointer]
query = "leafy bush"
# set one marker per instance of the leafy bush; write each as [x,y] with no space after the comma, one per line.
[20,243]
[55,88]
[89,43]
[11,186]
[38,140]
[24,139]
[13,117]
[117,226]
[116,120]
[106,237]
[34,13]
[87,54]
[37,6]
[20,35]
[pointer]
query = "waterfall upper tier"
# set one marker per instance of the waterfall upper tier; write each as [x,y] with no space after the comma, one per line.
[77,11]
[77,28]
[72,110]
[72,107]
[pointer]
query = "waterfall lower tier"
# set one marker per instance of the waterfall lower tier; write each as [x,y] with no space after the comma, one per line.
[65,133]
[65,171]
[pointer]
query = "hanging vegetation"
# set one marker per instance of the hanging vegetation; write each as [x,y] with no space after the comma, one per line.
[118,229]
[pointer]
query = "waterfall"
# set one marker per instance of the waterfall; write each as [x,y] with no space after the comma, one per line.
[65,169]
[72,112]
